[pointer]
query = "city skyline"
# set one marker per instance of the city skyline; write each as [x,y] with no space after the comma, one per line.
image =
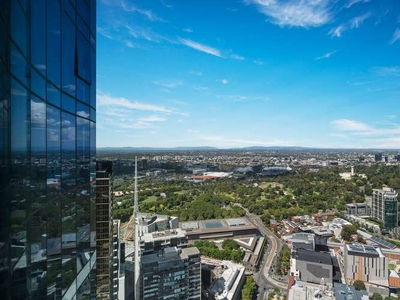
[251,73]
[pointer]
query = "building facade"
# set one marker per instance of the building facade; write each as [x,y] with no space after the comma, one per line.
[47,149]
[104,229]
[385,208]
[365,263]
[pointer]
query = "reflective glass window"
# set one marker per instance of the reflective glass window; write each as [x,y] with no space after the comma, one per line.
[92,115]
[19,66]
[38,84]
[19,27]
[93,75]
[84,29]
[83,91]
[54,279]
[53,95]
[84,62]
[67,6]
[82,110]
[68,103]
[54,179]
[38,35]
[19,121]
[53,42]
[3,39]
[68,55]
[93,17]
[83,10]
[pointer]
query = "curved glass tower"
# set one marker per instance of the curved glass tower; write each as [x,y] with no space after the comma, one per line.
[47,149]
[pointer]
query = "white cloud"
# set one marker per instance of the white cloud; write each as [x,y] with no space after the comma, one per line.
[326,55]
[337,31]
[391,117]
[356,128]
[350,125]
[258,62]
[200,47]
[357,21]
[386,71]
[396,36]
[129,44]
[295,13]
[169,84]
[197,73]
[352,2]
[188,30]
[128,7]
[107,100]
[224,81]
[237,57]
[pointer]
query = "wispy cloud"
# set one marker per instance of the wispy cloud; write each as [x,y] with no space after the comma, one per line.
[200,47]
[128,7]
[237,57]
[391,117]
[350,125]
[358,83]
[169,84]
[129,44]
[386,71]
[258,62]
[295,13]
[197,73]
[361,129]
[188,30]
[326,55]
[396,36]
[167,5]
[107,100]
[350,3]
[224,81]
[351,24]
[357,21]
[337,31]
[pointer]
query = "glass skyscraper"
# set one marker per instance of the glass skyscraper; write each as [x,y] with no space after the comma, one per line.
[47,149]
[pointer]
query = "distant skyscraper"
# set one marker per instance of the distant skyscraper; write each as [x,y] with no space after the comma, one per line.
[47,149]
[385,207]
[378,157]
[104,229]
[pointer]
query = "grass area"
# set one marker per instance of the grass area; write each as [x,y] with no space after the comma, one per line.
[180,192]
[150,199]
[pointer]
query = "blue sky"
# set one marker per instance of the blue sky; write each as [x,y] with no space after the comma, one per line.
[236,73]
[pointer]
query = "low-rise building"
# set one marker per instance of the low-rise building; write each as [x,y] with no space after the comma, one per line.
[365,263]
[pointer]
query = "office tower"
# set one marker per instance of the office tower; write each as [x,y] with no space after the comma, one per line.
[378,157]
[47,149]
[116,258]
[104,229]
[385,208]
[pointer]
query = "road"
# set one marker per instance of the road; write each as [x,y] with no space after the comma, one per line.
[264,281]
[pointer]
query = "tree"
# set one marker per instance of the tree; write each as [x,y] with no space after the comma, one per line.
[376,296]
[249,288]
[230,244]
[359,285]
[348,231]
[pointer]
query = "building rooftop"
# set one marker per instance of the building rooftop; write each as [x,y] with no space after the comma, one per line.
[346,292]
[312,256]
[302,238]
[364,250]
[161,235]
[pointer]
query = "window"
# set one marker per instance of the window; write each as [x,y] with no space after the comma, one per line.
[83,59]
[38,36]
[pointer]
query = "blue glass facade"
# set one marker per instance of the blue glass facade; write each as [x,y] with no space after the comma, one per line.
[47,149]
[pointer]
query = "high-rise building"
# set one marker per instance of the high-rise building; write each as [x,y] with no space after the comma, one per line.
[104,229]
[167,266]
[47,149]
[385,208]
[115,259]
[378,157]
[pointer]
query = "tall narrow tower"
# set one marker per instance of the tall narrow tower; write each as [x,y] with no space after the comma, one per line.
[135,211]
